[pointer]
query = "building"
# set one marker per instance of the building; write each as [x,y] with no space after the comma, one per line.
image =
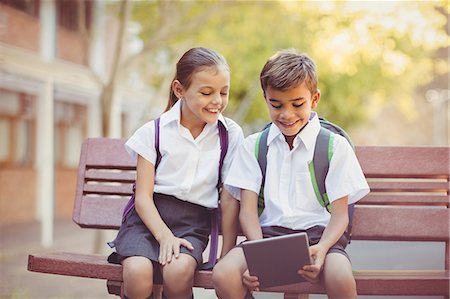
[55,57]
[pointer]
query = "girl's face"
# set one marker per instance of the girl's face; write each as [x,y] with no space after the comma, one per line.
[290,109]
[206,97]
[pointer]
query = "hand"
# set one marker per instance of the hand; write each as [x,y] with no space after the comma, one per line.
[251,282]
[311,272]
[170,246]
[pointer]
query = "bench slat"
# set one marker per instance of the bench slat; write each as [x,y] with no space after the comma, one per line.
[100,212]
[382,282]
[102,175]
[404,161]
[405,199]
[108,153]
[401,223]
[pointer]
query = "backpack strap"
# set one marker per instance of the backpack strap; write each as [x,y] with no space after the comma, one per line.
[130,204]
[261,149]
[223,138]
[318,167]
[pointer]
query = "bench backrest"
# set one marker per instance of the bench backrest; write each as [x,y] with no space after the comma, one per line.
[409,199]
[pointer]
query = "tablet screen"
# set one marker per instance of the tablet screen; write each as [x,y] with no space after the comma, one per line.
[276,260]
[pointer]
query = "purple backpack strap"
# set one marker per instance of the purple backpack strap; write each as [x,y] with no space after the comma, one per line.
[223,136]
[130,204]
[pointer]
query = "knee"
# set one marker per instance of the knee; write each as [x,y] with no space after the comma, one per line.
[179,274]
[341,286]
[222,274]
[137,278]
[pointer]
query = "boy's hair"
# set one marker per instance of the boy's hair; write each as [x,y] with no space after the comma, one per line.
[288,68]
[194,60]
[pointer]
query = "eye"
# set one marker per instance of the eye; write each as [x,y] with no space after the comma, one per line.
[276,106]
[298,105]
[224,93]
[206,93]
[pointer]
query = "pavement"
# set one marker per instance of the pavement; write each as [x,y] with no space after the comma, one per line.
[19,240]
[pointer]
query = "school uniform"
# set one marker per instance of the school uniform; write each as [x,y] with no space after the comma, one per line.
[185,188]
[290,200]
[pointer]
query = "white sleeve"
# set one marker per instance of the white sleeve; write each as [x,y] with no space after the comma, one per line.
[142,143]
[244,171]
[345,176]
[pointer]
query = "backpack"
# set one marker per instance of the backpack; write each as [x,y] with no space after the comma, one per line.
[223,138]
[318,167]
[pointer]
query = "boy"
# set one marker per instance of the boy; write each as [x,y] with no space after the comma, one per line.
[289,83]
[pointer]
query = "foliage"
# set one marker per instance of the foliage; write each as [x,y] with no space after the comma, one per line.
[366,53]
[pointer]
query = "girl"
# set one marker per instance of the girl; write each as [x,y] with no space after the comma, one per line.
[170,223]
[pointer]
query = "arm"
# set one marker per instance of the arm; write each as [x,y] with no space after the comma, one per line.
[146,209]
[229,209]
[334,230]
[249,220]
[248,215]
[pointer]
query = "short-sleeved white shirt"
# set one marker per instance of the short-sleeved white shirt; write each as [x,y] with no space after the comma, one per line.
[189,167]
[290,200]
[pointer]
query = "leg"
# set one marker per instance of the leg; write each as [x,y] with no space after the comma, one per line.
[227,275]
[342,285]
[229,209]
[137,277]
[178,277]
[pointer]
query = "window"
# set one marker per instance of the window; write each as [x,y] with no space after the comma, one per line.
[70,132]
[72,14]
[17,128]
[30,7]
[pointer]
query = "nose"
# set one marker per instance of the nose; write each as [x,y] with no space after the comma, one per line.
[286,114]
[217,99]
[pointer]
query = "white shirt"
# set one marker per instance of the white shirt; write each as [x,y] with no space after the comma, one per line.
[189,167]
[290,200]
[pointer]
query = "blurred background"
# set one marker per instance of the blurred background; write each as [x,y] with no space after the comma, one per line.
[72,69]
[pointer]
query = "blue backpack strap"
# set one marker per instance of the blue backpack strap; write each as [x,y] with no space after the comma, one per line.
[223,138]
[261,149]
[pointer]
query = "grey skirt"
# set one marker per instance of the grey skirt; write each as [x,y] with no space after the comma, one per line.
[186,220]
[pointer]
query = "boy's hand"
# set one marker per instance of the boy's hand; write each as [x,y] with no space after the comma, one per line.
[311,272]
[251,282]
[170,246]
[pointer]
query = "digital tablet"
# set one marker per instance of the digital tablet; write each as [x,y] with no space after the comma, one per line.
[275,261]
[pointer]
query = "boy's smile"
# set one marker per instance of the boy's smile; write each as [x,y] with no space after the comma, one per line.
[290,109]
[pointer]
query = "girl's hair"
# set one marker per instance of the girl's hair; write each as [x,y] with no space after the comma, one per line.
[194,60]
[287,69]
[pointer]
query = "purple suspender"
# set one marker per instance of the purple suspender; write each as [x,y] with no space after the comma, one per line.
[223,136]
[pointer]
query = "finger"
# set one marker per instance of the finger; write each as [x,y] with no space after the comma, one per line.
[187,244]
[176,250]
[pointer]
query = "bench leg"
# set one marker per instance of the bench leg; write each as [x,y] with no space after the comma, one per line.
[296,296]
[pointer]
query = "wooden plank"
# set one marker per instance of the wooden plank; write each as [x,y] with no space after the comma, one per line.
[117,176]
[101,212]
[401,223]
[109,189]
[72,264]
[410,186]
[404,161]
[405,199]
[108,153]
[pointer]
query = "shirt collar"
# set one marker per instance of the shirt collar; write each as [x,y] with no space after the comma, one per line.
[307,135]
[174,114]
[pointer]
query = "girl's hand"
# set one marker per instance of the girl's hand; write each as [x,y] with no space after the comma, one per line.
[311,272]
[170,246]
[251,282]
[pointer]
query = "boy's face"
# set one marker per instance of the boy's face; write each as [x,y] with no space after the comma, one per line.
[290,109]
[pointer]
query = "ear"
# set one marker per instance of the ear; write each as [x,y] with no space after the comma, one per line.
[178,89]
[315,99]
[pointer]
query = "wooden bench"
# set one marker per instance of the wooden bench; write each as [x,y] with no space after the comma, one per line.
[409,202]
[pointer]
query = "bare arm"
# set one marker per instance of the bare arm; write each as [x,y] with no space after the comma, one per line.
[248,215]
[229,208]
[146,209]
[334,230]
